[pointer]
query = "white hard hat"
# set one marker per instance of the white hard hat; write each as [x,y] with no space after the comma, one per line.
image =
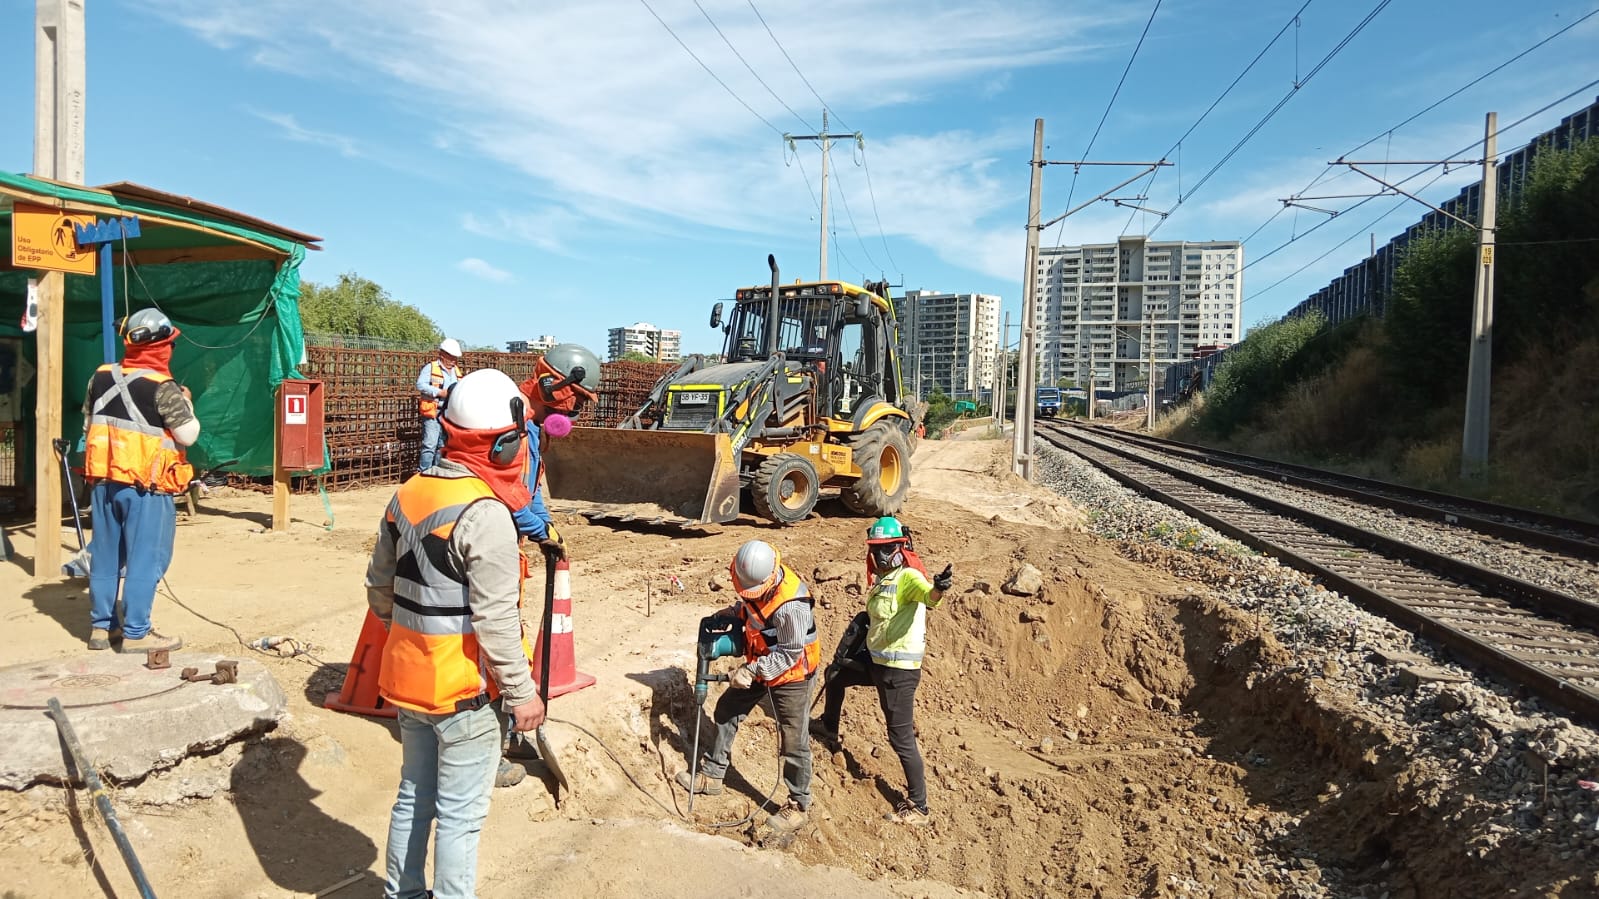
[452,346]
[485,400]
[755,569]
[146,326]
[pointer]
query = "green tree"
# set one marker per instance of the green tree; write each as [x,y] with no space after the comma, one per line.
[1428,322]
[358,306]
[1258,370]
[636,356]
[940,411]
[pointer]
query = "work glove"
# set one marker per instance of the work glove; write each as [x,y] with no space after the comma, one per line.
[552,544]
[743,677]
[943,579]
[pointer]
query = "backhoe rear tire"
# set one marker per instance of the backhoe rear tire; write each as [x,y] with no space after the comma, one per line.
[785,488]
[884,458]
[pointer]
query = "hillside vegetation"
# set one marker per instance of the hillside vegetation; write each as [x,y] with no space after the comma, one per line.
[1385,397]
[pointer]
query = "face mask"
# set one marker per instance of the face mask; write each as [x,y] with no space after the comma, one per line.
[887,556]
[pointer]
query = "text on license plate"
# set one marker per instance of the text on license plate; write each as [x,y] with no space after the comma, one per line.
[693,399]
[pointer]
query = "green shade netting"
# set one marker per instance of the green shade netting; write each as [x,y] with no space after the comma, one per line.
[240,323]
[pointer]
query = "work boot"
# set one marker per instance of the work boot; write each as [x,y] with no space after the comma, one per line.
[100,638]
[821,731]
[705,786]
[907,813]
[789,817]
[509,775]
[151,641]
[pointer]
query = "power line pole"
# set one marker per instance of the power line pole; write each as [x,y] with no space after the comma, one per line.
[1003,370]
[1479,371]
[1022,440]
[1150,315]
[826,140]
[58,113]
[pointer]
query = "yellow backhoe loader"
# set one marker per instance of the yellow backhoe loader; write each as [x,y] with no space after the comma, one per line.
[806,397]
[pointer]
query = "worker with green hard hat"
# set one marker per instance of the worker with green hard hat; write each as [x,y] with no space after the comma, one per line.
[891,659]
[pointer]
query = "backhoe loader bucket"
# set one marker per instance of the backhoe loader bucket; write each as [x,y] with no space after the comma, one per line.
[679,478]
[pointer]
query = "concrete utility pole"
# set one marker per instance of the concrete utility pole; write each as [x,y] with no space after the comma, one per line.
[1479,371]
[1022,440]
[826,140]
[1090,364]
[58,114]
[1150,346]
[1002,373]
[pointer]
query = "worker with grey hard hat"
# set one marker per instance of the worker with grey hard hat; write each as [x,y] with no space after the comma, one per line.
[433,388]
[782,652]
[137,421]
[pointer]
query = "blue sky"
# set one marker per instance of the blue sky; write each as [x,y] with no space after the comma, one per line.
[553,167]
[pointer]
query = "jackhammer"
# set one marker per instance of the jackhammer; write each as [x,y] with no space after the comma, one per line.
[719,637]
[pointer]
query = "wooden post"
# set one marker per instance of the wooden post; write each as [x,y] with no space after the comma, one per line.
[280,475]
[52,292]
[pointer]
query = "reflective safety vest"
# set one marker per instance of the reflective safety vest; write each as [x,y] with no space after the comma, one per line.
[431,662]
[898,604]
[760,635]
[429,406]
[123,444]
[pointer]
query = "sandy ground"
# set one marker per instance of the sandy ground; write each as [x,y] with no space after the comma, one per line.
[1069,735]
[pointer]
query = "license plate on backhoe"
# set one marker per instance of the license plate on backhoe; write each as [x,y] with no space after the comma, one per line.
[693,399]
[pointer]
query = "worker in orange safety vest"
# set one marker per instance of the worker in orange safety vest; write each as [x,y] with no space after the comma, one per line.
[446,578]
[776,613]
[433,389]
[137,420]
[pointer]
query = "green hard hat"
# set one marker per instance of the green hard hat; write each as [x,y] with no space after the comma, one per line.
[885,530]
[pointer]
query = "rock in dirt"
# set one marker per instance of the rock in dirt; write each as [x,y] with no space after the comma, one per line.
[1024,581]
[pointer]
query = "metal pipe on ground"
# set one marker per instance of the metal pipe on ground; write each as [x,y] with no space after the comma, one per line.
[102,801]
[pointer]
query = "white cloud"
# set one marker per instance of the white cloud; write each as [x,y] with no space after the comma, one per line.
[477,268]
[290,128]
[611,122]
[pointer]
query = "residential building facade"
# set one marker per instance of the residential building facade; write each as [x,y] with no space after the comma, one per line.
[949,340]
[643,337]
[1103,308]
[541,344]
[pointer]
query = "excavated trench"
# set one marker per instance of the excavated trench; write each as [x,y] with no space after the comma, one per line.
[1101,739]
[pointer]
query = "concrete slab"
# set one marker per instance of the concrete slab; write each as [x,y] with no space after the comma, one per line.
[131,720]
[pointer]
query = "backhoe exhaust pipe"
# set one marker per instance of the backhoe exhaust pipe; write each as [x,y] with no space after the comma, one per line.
[771,312]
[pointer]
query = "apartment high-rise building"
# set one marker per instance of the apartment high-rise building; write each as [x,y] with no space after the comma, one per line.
[1105,306]
[542,344]
[948,340]
[643,337]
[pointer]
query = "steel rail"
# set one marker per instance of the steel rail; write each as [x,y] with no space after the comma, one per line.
[1432,595]
[1550,531]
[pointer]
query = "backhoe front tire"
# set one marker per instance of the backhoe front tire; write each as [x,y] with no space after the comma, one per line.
[785,488]
[883,455]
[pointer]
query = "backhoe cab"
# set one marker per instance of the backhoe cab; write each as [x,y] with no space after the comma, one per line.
[807,398]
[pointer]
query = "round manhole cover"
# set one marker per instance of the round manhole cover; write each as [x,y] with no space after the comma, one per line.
[87,681]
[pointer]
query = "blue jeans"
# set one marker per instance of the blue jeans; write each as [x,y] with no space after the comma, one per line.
[432,439]
[132,531]
[447,775]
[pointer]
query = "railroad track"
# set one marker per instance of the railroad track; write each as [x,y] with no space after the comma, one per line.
[1567,536]
[1542,639]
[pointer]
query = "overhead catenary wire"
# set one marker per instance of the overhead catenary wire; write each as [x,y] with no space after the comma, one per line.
[1429,108]
[1299,83]
[1072,191]
[1513,125]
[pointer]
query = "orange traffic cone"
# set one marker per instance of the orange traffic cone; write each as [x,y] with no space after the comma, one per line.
[564,676]
[360,692]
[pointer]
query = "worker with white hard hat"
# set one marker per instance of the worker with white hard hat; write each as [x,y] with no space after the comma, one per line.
[776,614]
[445,577]
[433,388]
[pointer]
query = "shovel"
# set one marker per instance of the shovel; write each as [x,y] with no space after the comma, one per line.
[546,753]
[78,565]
